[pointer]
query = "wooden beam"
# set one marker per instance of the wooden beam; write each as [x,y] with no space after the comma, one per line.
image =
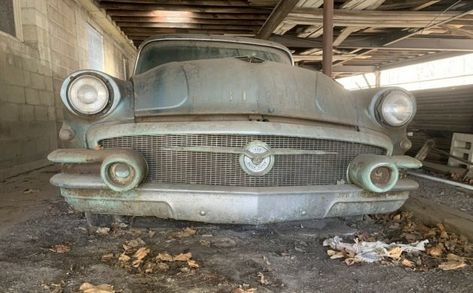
[298,58]
[426,4]
[371,18]
[191,15]
[354,69]
[232,3]
[460,31]
[355,5]
[278,14]
[141,20]
[188,8]
[346,32]
[419,44]
[125,25]
[415,44]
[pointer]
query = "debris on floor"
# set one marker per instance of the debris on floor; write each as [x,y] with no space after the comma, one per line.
[406,242]
[137,257]
[362,251]
[90,288]
[60,248]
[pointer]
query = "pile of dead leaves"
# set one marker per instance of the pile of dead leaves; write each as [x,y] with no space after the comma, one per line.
[137,257]
[443,250]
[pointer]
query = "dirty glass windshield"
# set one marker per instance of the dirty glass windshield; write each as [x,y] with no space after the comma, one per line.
[161,52]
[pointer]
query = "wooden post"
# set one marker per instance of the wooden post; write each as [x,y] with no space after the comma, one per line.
[327,41]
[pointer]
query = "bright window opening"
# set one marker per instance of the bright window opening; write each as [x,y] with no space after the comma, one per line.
[453,71]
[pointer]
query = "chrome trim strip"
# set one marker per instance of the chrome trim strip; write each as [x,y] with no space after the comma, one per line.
[76,181]
[102,131]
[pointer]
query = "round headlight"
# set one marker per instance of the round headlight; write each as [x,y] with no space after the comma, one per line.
[88,94]
[397,108]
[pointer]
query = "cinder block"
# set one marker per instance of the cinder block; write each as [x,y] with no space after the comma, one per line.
[32,96]
[27,113]
[9,112]
[14,94]
[37,81]
[46,98]
[41,113]
[52,113]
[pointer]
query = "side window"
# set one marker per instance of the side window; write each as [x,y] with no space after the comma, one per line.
[95,48]
[7,17]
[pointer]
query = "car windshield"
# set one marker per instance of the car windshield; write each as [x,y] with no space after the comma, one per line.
[161,52]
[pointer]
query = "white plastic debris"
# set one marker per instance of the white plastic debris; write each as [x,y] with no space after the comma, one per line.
[372,251]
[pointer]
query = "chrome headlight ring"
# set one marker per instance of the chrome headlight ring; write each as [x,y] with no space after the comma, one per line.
[90,93]
[393,107]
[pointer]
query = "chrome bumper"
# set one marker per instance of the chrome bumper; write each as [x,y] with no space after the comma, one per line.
[213,204]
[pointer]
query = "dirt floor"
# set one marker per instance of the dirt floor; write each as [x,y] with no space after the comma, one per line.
[47,247]
[454,197]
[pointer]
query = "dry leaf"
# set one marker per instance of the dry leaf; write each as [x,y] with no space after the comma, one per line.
[453,262]
[397,218]
[107,257]
[407,263]
[192,264]
[102,230]
[133,244]
[241,290]
[395,252]
[335,254]
[164,257]
[455,257]
[452,265]
[60,248]
[149,267]
[183,257]
[435,251]
[162,267]
[187,232]
[262,279]
[204,242]
[123,257]
[89,288]
[139,255]
[151,233]
[350,261]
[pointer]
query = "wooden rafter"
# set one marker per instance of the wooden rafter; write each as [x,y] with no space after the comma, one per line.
[278,14]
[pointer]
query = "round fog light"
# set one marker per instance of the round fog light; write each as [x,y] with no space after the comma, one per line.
[121,173]
[381,176]
[120,170]
[123,170]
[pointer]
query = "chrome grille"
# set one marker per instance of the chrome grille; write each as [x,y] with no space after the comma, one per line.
[223,169]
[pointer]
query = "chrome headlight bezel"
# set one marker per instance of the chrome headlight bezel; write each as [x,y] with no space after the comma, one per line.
[109,87]
[386,97]
[79,102]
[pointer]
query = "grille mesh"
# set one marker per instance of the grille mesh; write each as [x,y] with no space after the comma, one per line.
[186,167]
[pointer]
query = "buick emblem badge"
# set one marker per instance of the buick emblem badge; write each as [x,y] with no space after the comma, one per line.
[257,159]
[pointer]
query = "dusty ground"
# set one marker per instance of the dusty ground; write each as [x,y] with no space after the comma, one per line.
[291,257]
[454,197]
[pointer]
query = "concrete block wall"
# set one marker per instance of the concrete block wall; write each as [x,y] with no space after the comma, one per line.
[32,69]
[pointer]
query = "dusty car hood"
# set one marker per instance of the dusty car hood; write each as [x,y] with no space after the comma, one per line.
[231,85]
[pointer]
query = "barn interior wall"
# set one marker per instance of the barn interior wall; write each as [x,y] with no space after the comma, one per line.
[52,44]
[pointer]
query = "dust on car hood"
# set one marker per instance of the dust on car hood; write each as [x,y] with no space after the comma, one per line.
[235,86]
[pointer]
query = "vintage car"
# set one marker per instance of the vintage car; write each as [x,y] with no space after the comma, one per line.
[228,130]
